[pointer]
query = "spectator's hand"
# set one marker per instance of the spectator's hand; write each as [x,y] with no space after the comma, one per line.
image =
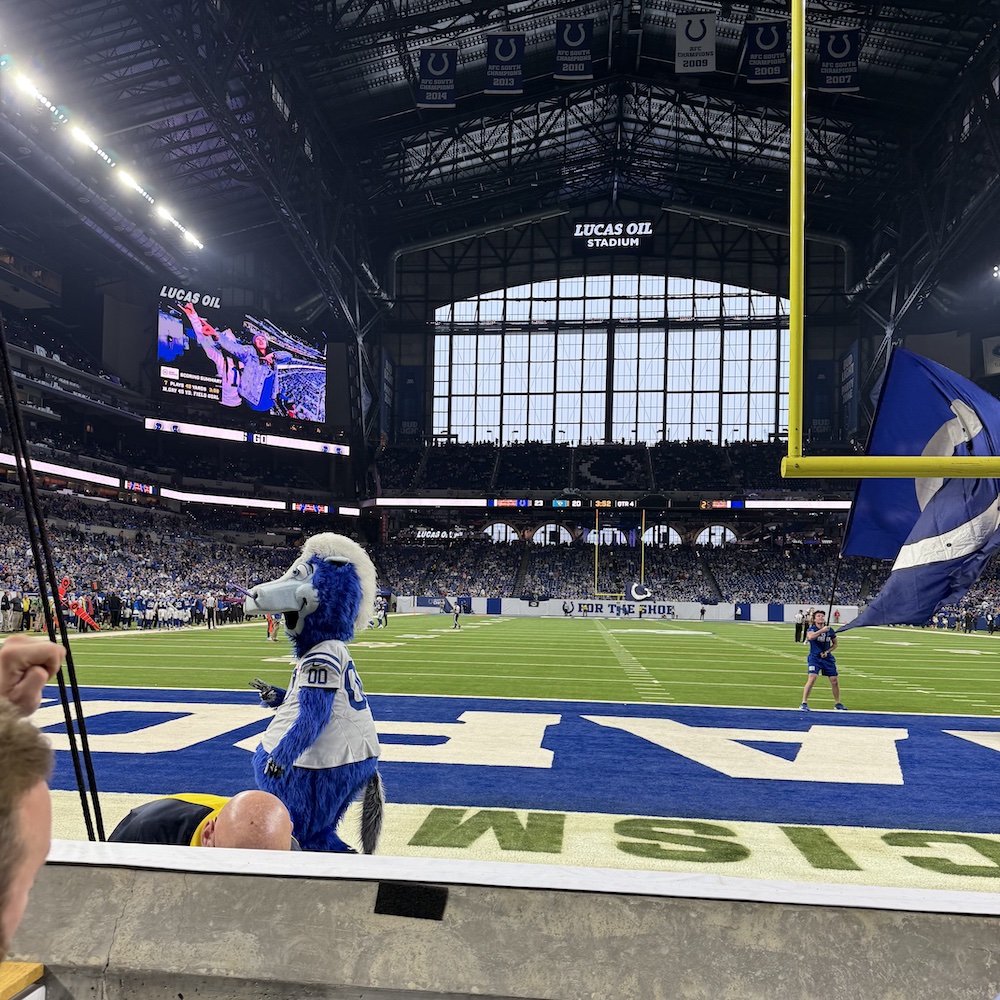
[26,666]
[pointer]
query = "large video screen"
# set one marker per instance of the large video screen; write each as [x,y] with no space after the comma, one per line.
[240,362]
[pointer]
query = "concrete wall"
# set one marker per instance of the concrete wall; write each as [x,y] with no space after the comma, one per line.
[114,921]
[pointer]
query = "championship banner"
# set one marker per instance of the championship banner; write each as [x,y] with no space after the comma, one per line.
[436,86]
[574,50]
[504,65]
[838,60]
[695,43]
[767,52]
[991,356]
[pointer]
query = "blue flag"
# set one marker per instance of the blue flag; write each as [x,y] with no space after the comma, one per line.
[940,532]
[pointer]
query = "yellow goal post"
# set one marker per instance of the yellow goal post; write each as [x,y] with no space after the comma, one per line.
[795,464]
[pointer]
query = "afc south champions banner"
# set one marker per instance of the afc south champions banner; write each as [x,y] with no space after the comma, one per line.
[767,52]
[504,64]
[838,60]
[695,43]
[438,70]
[574,50]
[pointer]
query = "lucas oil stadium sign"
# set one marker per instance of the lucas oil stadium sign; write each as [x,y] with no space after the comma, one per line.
[631,236]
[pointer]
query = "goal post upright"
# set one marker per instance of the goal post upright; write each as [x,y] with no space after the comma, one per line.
[796,229]
[795,465]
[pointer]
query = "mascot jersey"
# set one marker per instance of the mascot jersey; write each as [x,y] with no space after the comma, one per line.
[352,737]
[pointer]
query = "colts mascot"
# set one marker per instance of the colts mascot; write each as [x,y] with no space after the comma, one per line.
[321,750]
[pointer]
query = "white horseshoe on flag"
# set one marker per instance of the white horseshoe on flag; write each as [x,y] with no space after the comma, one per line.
[961,429]
[580,40]
[513,49]
[846,49]
[775,38]
[687,30]
[445,65]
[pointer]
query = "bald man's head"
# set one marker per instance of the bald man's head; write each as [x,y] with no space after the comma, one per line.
[251,819]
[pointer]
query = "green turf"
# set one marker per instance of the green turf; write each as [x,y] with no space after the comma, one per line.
[741,664]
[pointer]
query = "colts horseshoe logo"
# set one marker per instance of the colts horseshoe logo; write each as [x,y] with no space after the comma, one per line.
[775,38]
[843,52]
[690,24]
[500,57]
[581,38]
[445,63]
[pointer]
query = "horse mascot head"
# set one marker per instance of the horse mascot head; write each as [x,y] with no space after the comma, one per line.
[321,751]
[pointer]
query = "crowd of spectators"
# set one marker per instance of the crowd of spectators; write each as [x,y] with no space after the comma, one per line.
[744,466]
[129,548]
[532,466]
[395,468]
[671,573]
[162,569]
[691,465]
[460,468]
[27,332]
[440,469]
[612,467]
[183,462]
[464,567]
[793,574]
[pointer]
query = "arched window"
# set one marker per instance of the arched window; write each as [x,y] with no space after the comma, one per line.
[551,534]
[499,531]
[716,534]
[660,535]
[683,360]
[606,536]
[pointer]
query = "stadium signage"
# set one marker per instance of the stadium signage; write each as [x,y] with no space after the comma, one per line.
[613,236]
[195,298]
[619,609]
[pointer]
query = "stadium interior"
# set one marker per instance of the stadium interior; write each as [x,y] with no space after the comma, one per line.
[523,329]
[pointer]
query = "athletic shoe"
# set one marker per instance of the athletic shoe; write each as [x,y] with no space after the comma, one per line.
[804,706]
[839,707]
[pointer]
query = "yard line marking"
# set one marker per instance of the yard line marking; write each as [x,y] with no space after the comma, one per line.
[634,670]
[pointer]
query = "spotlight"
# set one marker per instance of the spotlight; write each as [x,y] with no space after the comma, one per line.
[26,85]
[82,136]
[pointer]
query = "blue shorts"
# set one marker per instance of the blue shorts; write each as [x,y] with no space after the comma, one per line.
[817,665]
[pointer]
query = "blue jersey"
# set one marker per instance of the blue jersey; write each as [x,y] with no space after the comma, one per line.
[819,644]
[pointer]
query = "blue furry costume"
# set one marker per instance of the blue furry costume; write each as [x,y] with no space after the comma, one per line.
[320,751]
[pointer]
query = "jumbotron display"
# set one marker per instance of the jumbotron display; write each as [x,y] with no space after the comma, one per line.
[245,363]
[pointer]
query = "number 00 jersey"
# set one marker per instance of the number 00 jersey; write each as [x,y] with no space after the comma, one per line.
[350,735]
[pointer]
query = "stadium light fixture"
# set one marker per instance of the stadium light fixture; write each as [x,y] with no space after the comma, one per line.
[130,182]
[32,91]
[82,136]
[60,116]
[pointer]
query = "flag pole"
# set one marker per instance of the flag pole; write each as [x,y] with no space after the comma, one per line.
[836,580]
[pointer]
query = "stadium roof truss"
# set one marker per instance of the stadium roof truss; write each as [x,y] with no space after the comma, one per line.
[292,126]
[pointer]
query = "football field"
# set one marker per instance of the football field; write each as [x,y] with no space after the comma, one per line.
[660,744]
[679,663]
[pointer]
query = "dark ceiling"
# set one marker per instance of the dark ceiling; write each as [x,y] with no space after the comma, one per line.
[292,126]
